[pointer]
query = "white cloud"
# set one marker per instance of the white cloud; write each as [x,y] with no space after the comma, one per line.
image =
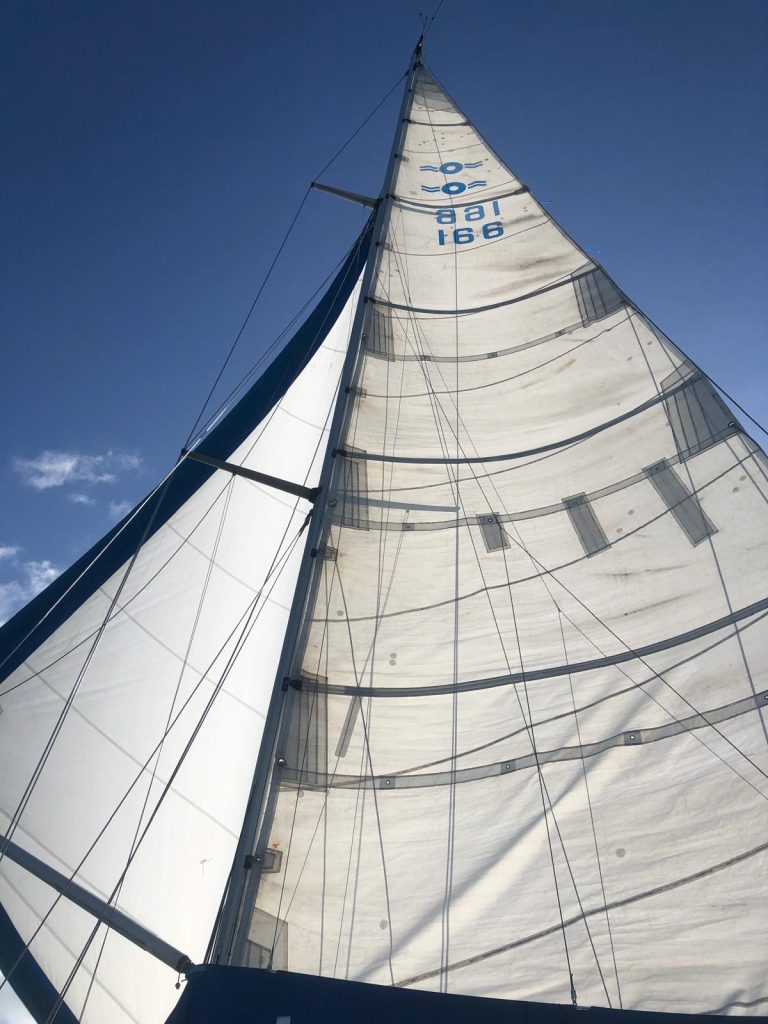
[32,577]
[118,509]
[8,550]
[77,498]
[52,469]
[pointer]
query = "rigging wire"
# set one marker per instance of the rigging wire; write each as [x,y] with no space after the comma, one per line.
[244,324]
[276,257]
[142,505]
[246,621]
[47,749]
[434,402]
[339,753]
[429,23]
[320,437]
[690,400]
[448,391]
[544,571]
[318,446]
[546,799]
[324,646]
[263,426]
[591,812]
[204,591]
[109,615]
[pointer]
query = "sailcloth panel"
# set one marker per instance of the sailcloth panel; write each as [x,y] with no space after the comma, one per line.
[526,741]
[179,645]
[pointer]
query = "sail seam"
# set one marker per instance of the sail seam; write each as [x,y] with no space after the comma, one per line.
[560,670]
[629,737]
[414,205]
[576,918]
[552,446]
[559,283]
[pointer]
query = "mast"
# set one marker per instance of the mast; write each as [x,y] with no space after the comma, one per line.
[249,856]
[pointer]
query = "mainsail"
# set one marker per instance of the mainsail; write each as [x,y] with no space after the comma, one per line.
[516,742]
[524,747]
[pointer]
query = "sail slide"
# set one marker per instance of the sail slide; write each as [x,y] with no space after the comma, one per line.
[133,693]
[523,753]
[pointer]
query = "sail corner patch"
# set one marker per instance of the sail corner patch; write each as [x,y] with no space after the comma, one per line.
[597,296]
[698,418]
[378,335]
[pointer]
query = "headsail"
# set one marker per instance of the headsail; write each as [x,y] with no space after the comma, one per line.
[523,753]
[134,692]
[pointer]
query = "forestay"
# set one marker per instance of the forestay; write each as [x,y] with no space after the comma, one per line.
[525,746]
[159,673]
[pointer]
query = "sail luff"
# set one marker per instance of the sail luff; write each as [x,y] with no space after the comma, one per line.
[232,932]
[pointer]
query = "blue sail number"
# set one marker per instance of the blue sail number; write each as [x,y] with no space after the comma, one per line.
[465,235]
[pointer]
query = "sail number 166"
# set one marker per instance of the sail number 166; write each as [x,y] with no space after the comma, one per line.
[464,235]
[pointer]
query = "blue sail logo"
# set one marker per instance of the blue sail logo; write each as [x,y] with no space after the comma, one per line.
[452,188]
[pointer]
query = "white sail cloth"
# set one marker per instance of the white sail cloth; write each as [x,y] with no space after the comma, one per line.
[202,611]
[530,735]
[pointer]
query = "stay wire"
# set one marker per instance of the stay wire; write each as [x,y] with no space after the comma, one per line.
[364,751]
[543,571]
[121,608]
[276,257]
[193,632]
[380,605]
[428,24]
[693,407]
[249,619]
[591,812]
[275,570]
[109,616]
[528,721]
[163,484]
[435,403]
[451,840]
[51,742]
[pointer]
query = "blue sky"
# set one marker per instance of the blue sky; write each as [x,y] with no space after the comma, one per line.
[156,152]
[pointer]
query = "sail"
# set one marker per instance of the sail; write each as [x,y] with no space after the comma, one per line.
[134,692]
[523,752]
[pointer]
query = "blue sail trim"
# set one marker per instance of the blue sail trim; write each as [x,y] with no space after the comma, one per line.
[30,627]
[27,978]
[243,995]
